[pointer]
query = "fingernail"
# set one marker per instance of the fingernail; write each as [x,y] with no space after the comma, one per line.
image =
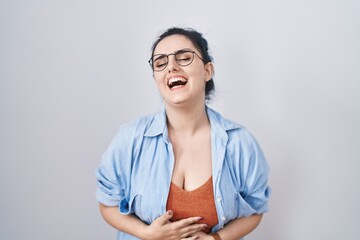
[170,212]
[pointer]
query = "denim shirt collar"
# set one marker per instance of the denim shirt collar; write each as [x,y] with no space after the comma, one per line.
[219,125]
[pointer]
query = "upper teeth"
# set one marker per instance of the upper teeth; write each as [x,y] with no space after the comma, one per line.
[172,80]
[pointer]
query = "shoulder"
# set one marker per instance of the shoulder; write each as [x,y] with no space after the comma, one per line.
[218,121]
[138,124]
[232,129]
[135,129]
[235,133]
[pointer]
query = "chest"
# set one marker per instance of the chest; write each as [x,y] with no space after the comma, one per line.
[192,162]
[157,163]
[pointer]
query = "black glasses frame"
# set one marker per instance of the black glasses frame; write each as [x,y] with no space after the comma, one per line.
[157,56]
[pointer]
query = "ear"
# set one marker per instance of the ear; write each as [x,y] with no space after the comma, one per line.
[209,71]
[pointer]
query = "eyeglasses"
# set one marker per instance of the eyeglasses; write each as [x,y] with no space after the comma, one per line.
[183,57]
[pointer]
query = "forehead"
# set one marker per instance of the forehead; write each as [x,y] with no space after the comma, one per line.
[172,44]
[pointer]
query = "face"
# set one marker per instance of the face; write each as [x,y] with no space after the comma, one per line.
[179,85]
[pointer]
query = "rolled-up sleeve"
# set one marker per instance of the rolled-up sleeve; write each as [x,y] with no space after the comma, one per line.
[255,190]
[108,192]
[110,177]
[113,174]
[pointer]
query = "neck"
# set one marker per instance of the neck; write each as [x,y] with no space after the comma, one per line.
[188,121]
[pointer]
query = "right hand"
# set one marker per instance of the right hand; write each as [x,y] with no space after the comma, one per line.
[163,229]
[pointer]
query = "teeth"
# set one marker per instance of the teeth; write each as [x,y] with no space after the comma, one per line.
[172,80]
[176,81]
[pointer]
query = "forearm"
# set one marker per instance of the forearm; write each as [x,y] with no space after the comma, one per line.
[240,227]
[125,223]
[160,229]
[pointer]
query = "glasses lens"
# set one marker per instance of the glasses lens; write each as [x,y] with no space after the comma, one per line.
[184,58]
[160,62]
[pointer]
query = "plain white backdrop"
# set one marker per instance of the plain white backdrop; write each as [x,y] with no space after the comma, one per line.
[71,72]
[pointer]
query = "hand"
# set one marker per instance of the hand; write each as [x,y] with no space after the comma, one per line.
[163,229]
[203,236]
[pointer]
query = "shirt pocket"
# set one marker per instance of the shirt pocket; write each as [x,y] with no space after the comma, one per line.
[243,208]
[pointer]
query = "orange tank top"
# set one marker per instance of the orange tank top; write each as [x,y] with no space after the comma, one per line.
[198,202]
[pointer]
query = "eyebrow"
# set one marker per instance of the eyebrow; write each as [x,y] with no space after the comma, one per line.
[180,50]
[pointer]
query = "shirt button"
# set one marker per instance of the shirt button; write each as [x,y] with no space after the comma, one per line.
[218,199]
[223,218]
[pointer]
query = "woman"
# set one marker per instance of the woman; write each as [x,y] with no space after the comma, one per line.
[185,172]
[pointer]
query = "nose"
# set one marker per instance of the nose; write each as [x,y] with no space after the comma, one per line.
[172,64]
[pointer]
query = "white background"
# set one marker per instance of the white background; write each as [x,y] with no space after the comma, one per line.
[71,72]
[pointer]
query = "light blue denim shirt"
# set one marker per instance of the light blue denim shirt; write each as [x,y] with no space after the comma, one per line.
[136,170]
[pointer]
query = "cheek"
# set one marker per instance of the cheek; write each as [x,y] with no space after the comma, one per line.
[201,77]
[199,72]
[159,82]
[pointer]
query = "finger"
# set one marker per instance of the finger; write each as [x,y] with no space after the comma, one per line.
[191,238]
[194,237]
[163,219]
[192,229]
[187,221]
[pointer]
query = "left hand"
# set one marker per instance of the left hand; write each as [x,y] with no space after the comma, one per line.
[203,236]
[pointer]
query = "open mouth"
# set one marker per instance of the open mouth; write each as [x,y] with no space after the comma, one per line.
[177,81]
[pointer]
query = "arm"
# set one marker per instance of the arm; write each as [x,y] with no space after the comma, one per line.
[253,192]
[161,228]
[240,227]
[235,229]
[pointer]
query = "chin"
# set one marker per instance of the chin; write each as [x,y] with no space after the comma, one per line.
[177,102]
